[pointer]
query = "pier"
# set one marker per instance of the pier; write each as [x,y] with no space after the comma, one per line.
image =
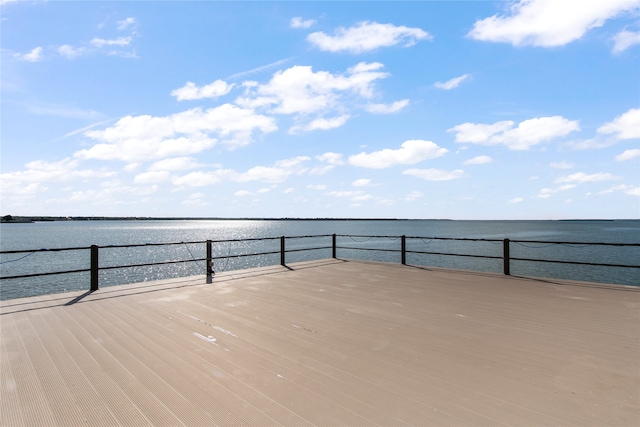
[325,342]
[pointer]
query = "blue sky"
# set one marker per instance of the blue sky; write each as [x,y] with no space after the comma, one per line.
[460,110]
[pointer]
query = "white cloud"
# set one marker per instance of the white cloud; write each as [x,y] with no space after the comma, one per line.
[625,126]
[278,173]
[356,195]
[34,55]
[300,90]
[319,187]
[516,200]
[545,193]
[410,152]
[259,69]
[242,193]
[125,23]
[453,83]
[70,52]
[140,138]
[363,182]
[366,36]
[624,40]
[628,155]
[111,193]
[479,160]
[320,124]
[414,195]
[561,165]
[40,172]
[435,174]
[387,109]
[152,177]
[175,164]
[195,199]
[528,133]
[581,177]
[634,191]
[548,23]
[120,41]
[331,158]
[298,22]
[213,90]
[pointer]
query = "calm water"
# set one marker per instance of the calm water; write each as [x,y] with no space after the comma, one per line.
[47,235]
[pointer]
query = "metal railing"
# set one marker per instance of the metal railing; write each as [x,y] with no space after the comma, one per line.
[504,256]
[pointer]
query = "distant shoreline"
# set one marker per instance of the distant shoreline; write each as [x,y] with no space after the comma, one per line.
[9,219]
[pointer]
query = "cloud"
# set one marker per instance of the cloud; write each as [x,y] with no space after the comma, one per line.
[410,152]
[628,155]
[125,23]
[259,69]
[319,187]
[548,23]
[70,52]
[561,165]
[279,172]
[625,126]
[435,174]
[453,83]
[366,36]
[479,160]
[120,41]
[527,134]
[111,193]
[317,100]
[300,90]
[35,55]
[298,22]
[634,191]
[387,108]
[142,138]
[39,173]
[581,177]
[213,90]
[355,196]
[545,193]
[516,200]
[363,182]
[624,40]
[195,199]
[331,158]
[175,164]
[152,177]
[414,195]
[320,124]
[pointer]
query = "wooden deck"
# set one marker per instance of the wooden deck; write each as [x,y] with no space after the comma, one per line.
[328,343]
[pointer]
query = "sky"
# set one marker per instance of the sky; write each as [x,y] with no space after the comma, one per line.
[421,109]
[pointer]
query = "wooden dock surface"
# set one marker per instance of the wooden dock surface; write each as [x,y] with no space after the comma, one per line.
[325,343]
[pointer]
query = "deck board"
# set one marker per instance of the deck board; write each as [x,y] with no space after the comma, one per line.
[329,342]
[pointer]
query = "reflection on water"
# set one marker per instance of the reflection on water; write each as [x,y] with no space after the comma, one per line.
[105,233]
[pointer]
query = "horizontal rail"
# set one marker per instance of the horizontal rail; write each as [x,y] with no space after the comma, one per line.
[24,251]
[450,254]
[595,264]
[50,273]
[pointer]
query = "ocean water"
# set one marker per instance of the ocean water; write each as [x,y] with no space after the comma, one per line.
[352,233]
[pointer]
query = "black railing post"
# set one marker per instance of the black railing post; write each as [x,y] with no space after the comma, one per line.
[334,246]
[209,263]
[94,268]
[282,260]
[505,257]
[403,244]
